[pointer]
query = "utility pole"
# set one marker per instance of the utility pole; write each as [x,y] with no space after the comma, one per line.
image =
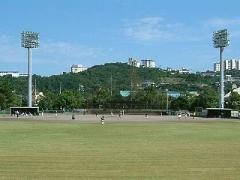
[132,85]
[167,101]
[111,85]
[60,88]
[35,90]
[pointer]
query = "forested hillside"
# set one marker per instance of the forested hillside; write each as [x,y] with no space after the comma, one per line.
[101,86]
[122,76]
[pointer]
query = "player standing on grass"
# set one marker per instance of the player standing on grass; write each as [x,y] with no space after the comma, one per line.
[102,120]
[146,115]
[179,116]
[17,112]
[120,114]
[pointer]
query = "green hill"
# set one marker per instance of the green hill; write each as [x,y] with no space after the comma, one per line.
[98,83]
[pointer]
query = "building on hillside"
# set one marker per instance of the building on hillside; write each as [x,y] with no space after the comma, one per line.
[229,78]
[78,68]
[230,64]
[193,93]
[184,71]
[207,73]
[134,62]
[216,67]
[169,69]
[234,64]
[227,65]
[23,75]
[11,73]
[148,83]
[148,63]
[174,94]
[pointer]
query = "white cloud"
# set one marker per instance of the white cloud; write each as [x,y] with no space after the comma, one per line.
[232,24]
[10,50]
[147,29]
[60,55]
[48,52]
[222,22]
[156,29]
[71,50]
[235,34]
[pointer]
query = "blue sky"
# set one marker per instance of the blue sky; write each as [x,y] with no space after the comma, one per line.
[174,33]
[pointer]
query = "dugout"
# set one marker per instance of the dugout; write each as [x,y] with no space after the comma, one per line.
[218,113]
[25,110]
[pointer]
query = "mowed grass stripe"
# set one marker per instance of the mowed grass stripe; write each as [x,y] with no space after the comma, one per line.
[42,150]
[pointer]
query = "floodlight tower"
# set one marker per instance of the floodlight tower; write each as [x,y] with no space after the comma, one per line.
[29,40]
[221,40]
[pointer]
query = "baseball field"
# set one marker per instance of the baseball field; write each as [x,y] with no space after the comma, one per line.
[128,148]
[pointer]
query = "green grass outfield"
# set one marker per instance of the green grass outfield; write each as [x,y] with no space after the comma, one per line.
[167,150]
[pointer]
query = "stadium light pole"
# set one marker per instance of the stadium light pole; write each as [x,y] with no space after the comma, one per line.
[29,40]
[221,40]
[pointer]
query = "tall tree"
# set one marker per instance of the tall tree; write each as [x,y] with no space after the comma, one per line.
[7,96]
[233,101]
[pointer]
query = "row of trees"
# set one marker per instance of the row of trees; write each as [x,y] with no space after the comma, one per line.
[65,100]
[146,98]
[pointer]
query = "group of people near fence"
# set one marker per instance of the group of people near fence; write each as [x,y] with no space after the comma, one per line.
[17,113]
[185,115]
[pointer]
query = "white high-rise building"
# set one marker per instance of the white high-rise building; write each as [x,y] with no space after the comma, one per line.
[78,68]
[234,63]
[11,73]
[238,64]
[216,67]
[134,62]
[228,65]
[148,63]
[184,71]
